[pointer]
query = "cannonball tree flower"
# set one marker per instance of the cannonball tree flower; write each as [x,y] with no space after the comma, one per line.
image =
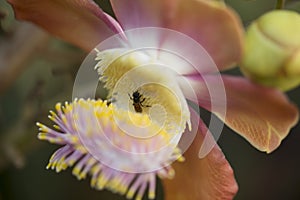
[263,116]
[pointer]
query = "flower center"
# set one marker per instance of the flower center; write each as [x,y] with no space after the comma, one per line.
[140,82]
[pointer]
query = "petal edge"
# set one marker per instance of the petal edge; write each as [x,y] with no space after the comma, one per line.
[80,22]
[263,116]
[208,178]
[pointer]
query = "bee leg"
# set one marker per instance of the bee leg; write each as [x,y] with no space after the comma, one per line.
[110,101]
[142,100]
[144,105]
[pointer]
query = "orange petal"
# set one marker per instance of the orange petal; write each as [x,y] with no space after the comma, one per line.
[216,27]
[263,116]
[208,178]
[80,22]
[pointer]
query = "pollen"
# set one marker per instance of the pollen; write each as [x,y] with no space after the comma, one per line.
[125,72]
[120,150]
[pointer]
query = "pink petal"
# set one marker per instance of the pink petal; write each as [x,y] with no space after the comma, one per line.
[139,13]
[215,27]
[208,178]
[261,115]
[80,22]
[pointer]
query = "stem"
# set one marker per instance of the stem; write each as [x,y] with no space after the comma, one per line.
[280,4]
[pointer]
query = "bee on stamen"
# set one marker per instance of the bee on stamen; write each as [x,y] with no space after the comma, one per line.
[138,101]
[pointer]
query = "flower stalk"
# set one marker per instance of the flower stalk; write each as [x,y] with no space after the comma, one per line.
[280,4]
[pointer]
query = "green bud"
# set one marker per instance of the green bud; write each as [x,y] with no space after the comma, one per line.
[272,50]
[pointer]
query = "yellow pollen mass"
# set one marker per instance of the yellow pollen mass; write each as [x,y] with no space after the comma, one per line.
[157,94]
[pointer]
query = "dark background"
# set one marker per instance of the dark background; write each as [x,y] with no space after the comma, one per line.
[39,74]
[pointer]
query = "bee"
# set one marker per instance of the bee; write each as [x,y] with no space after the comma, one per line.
[138,101]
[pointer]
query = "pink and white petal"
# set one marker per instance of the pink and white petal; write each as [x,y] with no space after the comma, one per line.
[216,27]
[263,116]
[80,22]
[208,178]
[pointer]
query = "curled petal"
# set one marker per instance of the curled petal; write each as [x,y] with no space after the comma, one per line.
[263,116]
[80,22]
[215,27]
[207,178]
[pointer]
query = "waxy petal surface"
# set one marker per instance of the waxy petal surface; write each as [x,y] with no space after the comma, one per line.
[263,116]
[80,22]
[216,27]
[208,178]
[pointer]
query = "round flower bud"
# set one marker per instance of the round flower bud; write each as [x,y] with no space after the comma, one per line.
[272,50]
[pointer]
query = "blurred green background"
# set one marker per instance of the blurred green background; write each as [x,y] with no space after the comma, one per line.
[37,70]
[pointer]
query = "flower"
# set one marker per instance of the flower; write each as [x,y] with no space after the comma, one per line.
[263,116]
